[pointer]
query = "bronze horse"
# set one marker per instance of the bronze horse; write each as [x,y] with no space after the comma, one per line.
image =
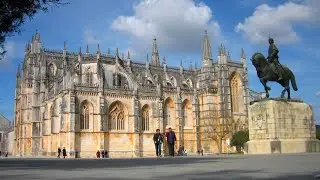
[266,73]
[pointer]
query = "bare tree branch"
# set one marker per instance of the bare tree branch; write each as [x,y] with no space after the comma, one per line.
[217,128]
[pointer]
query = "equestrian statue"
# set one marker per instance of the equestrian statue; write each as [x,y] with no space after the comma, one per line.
[269,69]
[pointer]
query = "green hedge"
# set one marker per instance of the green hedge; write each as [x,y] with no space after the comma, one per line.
[239,138]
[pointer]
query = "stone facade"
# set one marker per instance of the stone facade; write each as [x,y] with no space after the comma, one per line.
[279,126]
[88,102]
[5,129]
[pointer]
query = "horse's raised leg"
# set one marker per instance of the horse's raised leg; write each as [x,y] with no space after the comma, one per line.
[282,93]
[288,91]
[266,88]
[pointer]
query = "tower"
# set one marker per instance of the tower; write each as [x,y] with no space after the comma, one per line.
[155,54]
[206,51]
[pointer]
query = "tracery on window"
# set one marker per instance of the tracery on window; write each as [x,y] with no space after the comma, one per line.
[84,117]
[117,117]
[145,118]
[89,75]
[235,93]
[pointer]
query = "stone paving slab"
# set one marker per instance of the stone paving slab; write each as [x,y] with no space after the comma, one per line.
[288,166]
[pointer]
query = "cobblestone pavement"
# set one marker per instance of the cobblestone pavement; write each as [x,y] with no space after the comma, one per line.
[289,166]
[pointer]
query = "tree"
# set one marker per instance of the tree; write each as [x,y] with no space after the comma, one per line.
[13,14]
[217,128]
[239,138]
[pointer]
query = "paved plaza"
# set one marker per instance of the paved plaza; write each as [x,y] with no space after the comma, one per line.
[290,166]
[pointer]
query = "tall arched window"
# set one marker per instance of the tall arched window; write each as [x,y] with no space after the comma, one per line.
[187,117]
[236,95]
[89,76]
[84,119]
[145,118]
[117,116]
[169,113]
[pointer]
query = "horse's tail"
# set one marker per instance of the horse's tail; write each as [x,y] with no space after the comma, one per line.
[293,81]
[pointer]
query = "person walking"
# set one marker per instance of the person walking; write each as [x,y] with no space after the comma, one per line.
[59,152]
[64,152]
[171,138]
[158,140]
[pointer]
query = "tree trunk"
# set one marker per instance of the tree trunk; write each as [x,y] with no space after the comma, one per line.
[219,144]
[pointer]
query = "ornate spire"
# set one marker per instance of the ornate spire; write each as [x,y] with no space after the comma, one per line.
[65,45]
[117,56]
[80,50]
[117,52]
[37,36]
[243,55]
[206,52]
[18,71]
[181,67]
[98,51]
[26,48]
[155,54]
[164,61]
[222,50]
[147,62]
[128,56]
[228,55]
[108,52]
[87,50]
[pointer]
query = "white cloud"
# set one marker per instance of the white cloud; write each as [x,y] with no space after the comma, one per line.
[89,37]
[318,93]
[178,25]
[279,21]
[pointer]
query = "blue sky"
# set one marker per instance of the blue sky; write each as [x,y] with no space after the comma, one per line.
[179,27]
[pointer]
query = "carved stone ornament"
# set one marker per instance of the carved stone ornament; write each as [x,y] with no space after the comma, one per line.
[259,120]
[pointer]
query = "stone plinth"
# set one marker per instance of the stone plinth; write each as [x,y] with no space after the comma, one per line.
[280,126]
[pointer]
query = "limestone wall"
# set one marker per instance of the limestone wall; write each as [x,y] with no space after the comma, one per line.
[278,126]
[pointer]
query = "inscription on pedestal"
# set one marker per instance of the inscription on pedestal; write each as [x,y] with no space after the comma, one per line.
[259,117]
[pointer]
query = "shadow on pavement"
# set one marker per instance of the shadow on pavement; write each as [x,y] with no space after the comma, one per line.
[76,164]
[176,164]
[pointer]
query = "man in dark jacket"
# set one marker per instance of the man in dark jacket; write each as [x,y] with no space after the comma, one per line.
[171,138]
[158,140]
[64,152]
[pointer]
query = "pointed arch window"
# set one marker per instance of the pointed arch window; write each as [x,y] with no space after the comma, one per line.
[89,76]
[145,119]
[84,120]
[235,94]
[117,117]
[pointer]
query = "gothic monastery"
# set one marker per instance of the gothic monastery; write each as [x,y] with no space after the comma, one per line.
[88,102]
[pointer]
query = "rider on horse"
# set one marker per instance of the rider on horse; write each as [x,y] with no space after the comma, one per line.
[273,58]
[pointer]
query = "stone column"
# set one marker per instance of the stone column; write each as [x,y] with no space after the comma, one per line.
[179,113]
[72,116]
[160,119]
[102,120]
[136,130]
[197,119]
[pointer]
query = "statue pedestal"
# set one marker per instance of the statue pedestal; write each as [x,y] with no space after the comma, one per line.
[280,126]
